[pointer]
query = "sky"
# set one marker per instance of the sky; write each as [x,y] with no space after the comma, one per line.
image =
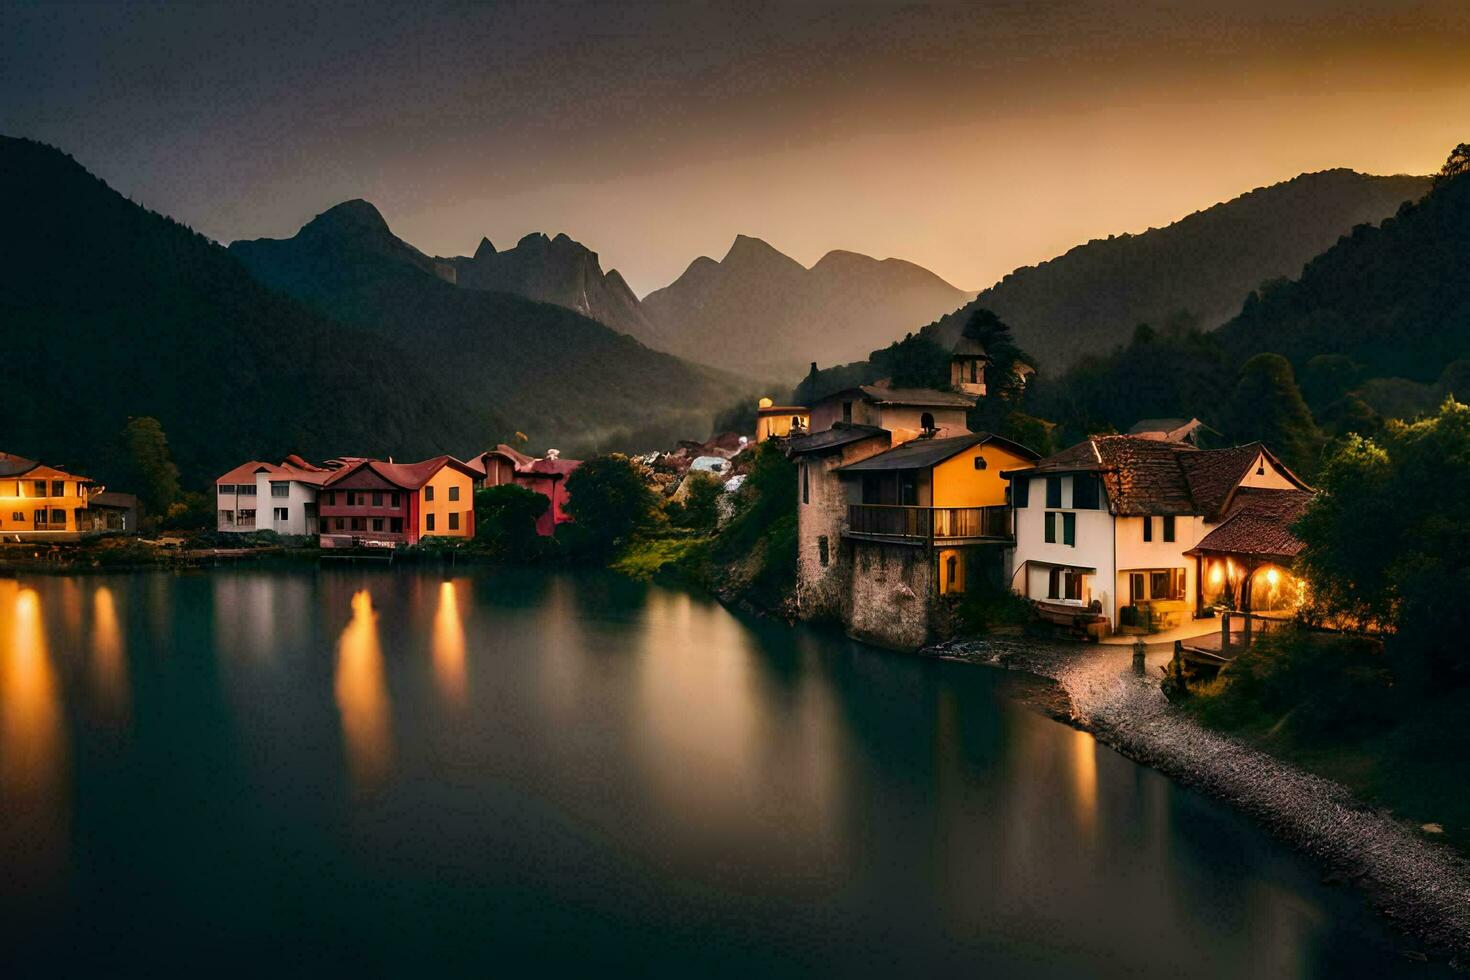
[969,138]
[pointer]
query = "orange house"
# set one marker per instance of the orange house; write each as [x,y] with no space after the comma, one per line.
[43,502]
[371,503]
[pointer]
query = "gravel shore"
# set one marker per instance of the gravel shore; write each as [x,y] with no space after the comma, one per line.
[1422,885]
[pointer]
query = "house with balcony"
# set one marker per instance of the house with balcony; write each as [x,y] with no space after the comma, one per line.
[44,503]
[370,503]
[279,497]
[546,476]
[1142,533]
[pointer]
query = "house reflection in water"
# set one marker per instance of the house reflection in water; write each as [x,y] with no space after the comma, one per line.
[362,696]
[33,783]
[109,667]
[449,666]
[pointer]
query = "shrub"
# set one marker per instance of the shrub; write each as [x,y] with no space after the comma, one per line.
[505,521]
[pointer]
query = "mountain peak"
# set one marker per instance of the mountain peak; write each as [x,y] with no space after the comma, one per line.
[485,249]
[356,216]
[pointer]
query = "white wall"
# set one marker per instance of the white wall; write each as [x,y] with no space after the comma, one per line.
[1135,554]
[1093,549]
[298,496]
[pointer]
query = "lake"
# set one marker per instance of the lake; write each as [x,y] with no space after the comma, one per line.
[392,770]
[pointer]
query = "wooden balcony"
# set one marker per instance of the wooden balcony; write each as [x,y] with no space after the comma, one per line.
[928,525]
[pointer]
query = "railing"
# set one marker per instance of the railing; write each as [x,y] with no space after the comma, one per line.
[928,523]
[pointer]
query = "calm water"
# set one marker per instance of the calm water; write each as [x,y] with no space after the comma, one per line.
[381,771]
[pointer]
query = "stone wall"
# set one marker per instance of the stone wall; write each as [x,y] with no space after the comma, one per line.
[889,602]
[821,579]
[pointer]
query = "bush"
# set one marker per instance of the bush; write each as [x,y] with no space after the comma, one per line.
[609,499]
[990,606]
[700,510]
[505,522]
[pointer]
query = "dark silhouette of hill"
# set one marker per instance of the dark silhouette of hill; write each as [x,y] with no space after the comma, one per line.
[557,270]
[762,312]
[112,311]
[563,379]
[1091,298]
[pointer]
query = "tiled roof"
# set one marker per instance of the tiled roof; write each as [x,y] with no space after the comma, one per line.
[965,347]
[841,434]
[918,454]
[885,394]
[299,470]
[1150,476]
[13,465]
[245,472]
[409,476]
[1259,525]
[1158,425]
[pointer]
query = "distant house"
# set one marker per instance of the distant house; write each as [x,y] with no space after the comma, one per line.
[779,421]
[907,413]
[967,364]
[372,503]
[547,476]
[280,497]
[40,502]
[1135,532]
[116,512]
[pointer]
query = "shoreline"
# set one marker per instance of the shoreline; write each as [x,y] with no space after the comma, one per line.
[1421,886]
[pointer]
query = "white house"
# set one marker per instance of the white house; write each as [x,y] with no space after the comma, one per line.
[258,496]
[1109,530]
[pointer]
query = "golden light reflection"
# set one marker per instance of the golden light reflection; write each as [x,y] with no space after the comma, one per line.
[449,666]
[109,668]
[362,695]
[1084,779]
[32,740]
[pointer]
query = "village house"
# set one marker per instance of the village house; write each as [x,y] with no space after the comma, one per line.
[1135,533]
[40,502]
[371,503]
[279,497]
[546,476]
[900,506]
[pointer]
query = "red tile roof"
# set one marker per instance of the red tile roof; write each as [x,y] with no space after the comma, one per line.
[1259,525]
[409,476]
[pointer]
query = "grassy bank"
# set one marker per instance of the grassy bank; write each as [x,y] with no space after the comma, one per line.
[1346,709]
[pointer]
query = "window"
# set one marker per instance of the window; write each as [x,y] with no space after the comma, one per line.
[246,489]
[1157,584]
[822,554]
[359,524]
[1069,530]
[377,524]
[393,500]
[282,514]
[40,487]
[58,488]
[1054,491]
[428,522]
[377,500]
[247,517]
[429,492]
[454,493]
[331,498]
[395,525]
[1085,492]
[280,489]
[454,521]
[1168,527]
[1021,491]
[1051,527]
[980,463]
[225,488]
[806,496]
[1148,528]
[341,523]
[226,518]
[1064,583]
[21,517]
[847,411]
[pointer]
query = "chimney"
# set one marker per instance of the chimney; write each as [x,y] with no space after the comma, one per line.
[553,454]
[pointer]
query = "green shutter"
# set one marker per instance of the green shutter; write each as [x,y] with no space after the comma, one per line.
[1069,530]
[1051,527]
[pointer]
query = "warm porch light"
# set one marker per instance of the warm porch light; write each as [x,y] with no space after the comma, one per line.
[1273,577]
[1217,575]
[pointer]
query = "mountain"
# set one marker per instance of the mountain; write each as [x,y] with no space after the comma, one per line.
[1392,299]
[565,380]
[1091,298]
[762,312]
[556,270]
[112,311]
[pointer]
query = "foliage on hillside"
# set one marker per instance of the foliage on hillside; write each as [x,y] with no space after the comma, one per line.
[112,311]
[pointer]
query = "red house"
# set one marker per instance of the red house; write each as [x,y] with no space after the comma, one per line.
[547,476]
[370,503]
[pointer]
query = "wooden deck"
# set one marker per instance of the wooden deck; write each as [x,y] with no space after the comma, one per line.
[1237,633]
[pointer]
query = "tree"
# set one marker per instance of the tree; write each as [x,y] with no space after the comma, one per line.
[1267,405]
[150,465]
[1457,164]
[609,499]
[701,510]
[1386,539]
[505,520]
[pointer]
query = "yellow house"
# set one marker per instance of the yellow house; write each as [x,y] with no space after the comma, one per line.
[777,421]
[39,501]
[446,502]
[946,495]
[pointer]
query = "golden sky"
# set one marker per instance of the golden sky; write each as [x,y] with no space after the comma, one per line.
[968,138]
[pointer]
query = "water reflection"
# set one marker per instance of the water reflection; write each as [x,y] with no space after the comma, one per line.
[1084,781]
[32,742]
[449,668]
[362,695]
[109,668]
